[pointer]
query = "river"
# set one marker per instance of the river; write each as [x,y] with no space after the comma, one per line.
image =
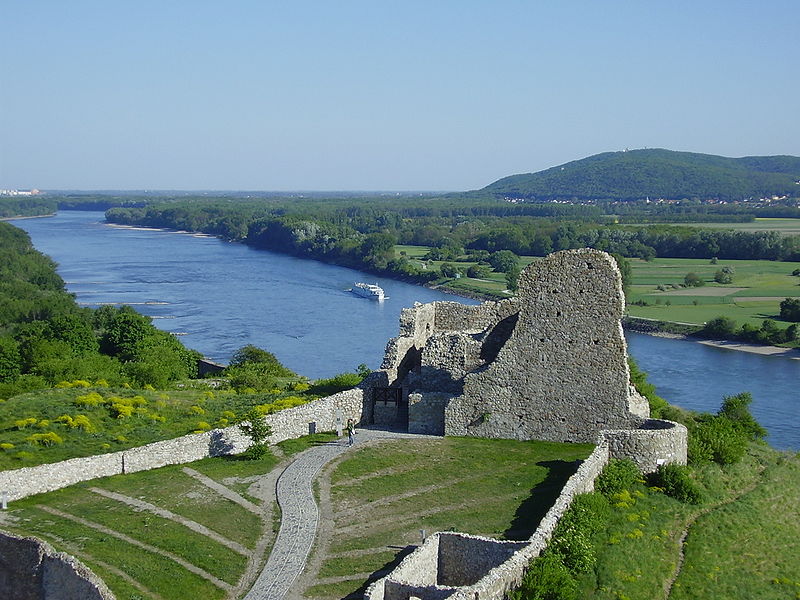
[219,296]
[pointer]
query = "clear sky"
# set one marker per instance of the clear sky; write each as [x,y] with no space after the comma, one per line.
[380,95]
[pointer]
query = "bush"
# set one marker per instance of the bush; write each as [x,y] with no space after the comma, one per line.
[718,438]
[45,439]
[723,327]
[736,409]
[674,479]
[692,279]
[617,475]
[546,579]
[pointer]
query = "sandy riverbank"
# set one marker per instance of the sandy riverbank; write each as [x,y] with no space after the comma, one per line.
[793,353]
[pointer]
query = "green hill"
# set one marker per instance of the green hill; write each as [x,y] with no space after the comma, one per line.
[656,173]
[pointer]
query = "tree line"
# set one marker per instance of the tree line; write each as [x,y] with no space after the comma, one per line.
[358,234]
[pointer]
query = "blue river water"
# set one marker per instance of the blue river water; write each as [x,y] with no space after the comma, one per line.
[219,296]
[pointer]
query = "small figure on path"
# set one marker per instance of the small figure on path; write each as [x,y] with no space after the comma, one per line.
[351,431]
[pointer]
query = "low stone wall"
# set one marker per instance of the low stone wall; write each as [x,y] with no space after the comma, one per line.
[32,570]
[286,424]
[656,442]
[426,413]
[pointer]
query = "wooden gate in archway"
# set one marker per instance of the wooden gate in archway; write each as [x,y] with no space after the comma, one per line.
[390,407]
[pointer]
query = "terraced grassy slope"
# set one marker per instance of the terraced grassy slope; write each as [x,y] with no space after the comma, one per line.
[377,500]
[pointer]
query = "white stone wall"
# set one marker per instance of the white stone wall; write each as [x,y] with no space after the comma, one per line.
[287,424]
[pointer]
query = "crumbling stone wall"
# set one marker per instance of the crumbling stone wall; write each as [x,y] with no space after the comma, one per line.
[31,570]
[562,374]
[550,364]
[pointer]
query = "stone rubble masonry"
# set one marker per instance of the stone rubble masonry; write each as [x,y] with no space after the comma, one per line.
[464,567]
[319,415]
[549,364]
[32,570]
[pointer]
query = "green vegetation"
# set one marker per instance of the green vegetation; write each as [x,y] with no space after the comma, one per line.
[656,173]
[624,540]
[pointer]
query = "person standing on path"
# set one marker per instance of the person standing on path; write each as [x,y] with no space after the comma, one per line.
[351,431]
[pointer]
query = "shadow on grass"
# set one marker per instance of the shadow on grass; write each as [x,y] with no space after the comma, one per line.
[382,572]
[542,497]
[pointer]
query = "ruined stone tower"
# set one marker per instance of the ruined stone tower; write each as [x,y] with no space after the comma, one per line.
[549,364]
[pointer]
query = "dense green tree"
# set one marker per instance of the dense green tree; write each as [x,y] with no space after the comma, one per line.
[10,360]
[790,309]
[503,261]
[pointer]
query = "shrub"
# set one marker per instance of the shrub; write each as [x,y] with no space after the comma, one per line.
[90,399]
[735,408]
[617,475]
[6,446]
[692,279]
[546,579]
[45,439]
[255,427]
[572,537]
[718,437]
[120,411]
[723,327]
[674,479]
[23,423]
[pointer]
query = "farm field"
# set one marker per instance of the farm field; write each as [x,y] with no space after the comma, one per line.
[782,226]
[755,294]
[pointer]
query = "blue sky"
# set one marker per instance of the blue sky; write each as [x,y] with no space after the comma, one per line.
[375,95]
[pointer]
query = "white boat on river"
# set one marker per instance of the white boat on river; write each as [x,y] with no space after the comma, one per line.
[369,290]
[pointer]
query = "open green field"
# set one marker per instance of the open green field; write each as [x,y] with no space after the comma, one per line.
[782,226]
[146,552]
[757,290]
[168,534]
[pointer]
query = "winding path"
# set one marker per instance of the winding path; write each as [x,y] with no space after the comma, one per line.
[300,516]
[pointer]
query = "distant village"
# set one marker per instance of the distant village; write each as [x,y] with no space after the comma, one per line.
[33,192]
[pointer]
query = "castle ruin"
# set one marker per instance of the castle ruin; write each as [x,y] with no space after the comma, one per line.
[548,364]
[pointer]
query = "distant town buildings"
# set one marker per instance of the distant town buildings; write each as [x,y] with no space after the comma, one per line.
[33,192]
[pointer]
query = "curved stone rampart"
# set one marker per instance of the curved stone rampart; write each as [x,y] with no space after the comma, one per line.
[458,566]
[31,569]
[656,442]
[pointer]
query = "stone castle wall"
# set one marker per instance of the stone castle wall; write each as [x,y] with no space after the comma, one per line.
[562,374]
[31,570]
[286,424]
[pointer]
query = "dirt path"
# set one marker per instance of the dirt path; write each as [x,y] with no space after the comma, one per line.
[685,533]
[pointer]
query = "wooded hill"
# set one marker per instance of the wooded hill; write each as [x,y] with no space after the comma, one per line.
[655,173]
